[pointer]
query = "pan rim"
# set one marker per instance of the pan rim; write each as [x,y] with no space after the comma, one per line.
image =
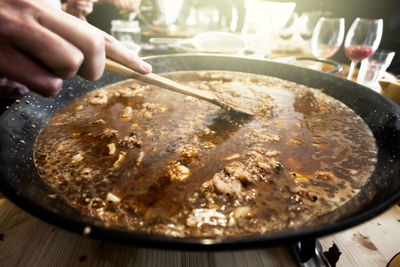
[245,242]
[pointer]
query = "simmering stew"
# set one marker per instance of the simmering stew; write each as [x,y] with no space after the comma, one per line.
[159,162]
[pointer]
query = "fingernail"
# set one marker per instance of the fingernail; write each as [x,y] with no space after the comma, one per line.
[23,90]
[146,66]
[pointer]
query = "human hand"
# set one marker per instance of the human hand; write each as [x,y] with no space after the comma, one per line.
[79,8]
[41,46]
[11,89]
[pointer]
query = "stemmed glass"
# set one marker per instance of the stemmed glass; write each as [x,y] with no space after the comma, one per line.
[307,23]
[290,28]
[363,38]
[327,37]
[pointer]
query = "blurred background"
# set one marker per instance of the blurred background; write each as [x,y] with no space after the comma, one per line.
[270,29]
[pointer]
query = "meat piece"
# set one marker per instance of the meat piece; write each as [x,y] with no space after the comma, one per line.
[188,150]
[207,187]
[305,194]
[134,126]
[127,92]
[238,170]
[97,122]
[148,132]
[121,157]
[131,141]
[300,177]
[140,158]
[127,113]
[100,98]
[109,134]
[111,149]
[147,115]
[272,153]
[178,172]
[326,176]
[241,212]
[198,217]
[226,185]
[77,157]
[232,157]
[86,171]
[265,166]
[79,108]
[112,198]
[297,142]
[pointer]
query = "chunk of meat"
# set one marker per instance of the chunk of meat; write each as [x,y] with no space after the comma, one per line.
[296,142]
[241,212]
[227,185]
[97,122]
[112,198]
[178,172]
[188,150]
[109,133]
[326,176]
[111,148]
[199,217]
[100,98]
[140,158]
[238,170]
[300,177]
[131,141]
[232,157]
[265,166]
[305,194]
[120,159]
[134,126]
[127,113]
[207,187]
[127,92]
[79,108]
[272,153]
[77,157]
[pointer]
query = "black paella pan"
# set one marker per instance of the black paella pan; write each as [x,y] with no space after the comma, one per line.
[20,125]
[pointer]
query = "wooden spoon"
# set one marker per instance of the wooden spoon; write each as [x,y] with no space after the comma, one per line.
[154,79]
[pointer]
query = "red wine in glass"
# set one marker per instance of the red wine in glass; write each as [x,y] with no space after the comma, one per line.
[357,53]
[363,38]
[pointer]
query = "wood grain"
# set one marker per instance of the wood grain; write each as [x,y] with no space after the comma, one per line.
[372,243]
[28,241]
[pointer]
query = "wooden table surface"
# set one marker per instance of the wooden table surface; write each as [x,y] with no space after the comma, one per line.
[28,241]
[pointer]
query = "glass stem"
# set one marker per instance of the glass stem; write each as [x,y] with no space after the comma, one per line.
[351,70]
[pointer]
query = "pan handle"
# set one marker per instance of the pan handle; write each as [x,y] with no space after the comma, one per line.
[338,67]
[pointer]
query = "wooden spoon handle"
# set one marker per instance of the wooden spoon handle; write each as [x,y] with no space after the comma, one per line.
[160,81]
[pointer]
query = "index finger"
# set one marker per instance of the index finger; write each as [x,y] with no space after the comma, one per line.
[120,53]
[88,39]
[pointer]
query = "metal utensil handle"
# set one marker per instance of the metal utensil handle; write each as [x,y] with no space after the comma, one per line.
[338,67]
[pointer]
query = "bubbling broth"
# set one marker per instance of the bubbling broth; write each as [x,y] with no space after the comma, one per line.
[155,161]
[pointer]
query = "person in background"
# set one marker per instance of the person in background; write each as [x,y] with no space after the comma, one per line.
[40,46]
[225,9]
[105,11]
[79,8]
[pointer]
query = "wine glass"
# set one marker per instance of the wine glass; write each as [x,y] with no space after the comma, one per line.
[327,37]
[290,27]
[363,38]
[307,23]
